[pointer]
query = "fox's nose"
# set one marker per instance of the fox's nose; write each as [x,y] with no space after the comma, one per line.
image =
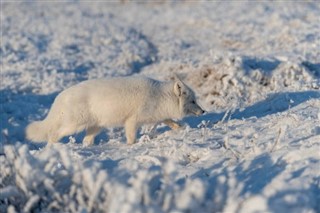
[200,112]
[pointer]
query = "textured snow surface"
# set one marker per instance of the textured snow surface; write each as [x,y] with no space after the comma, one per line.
[255,68]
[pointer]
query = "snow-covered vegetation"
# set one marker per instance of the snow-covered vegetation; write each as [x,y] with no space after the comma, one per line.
[255,68]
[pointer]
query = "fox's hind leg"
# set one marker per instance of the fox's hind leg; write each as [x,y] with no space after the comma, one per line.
[90,135]
[172,124]
[54,137]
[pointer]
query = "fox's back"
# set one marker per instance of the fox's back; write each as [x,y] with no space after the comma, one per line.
[115,99]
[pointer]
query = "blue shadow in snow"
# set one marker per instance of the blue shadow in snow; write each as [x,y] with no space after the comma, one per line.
[81,71]
[313,68]
[308,198]
[106,164]
[267,66]
[17,110]
[275,103]
[262,170]
[255,177]
[152,50]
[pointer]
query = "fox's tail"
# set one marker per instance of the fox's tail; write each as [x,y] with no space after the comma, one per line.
[37,131]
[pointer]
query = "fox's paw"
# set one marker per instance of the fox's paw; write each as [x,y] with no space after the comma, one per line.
[87,143]
[173,124]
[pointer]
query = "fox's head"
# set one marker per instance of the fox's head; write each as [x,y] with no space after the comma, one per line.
[187,100]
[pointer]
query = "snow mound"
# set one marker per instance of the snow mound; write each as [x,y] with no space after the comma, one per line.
[63,184]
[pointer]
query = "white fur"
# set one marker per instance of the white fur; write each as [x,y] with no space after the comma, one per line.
[128,101]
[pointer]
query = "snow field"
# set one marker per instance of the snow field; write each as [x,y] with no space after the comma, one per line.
[255,68]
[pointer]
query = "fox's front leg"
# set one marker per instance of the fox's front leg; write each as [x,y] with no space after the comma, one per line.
[172,124]
[90,135]
[131,130]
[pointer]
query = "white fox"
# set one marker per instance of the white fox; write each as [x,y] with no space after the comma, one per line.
[123,101]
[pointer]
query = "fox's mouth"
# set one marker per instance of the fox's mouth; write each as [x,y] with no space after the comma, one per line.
[196,112]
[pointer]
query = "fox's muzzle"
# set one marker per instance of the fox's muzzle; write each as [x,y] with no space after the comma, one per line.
[198,111]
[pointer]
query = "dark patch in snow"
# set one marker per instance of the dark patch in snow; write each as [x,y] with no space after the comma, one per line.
[81,71]
[150,57]
[275,103]
[18,108]
[216,186]
[295,200]
[40,41]
[106,164]
[313,68]
[298,173]
[267,66]
[194,122]
[7,50]
[71,49]
[262,167]
[298,140]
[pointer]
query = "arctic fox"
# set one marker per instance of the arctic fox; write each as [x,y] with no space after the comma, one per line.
[122,101]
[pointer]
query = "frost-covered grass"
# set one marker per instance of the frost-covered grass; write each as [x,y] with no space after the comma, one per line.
[254,66]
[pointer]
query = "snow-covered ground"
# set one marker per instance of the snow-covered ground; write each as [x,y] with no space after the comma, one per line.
[254,66]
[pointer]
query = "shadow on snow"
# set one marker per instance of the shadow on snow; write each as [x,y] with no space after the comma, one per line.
[275,103]
[252,177]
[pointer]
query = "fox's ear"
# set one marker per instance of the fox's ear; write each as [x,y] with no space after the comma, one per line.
[178,88]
